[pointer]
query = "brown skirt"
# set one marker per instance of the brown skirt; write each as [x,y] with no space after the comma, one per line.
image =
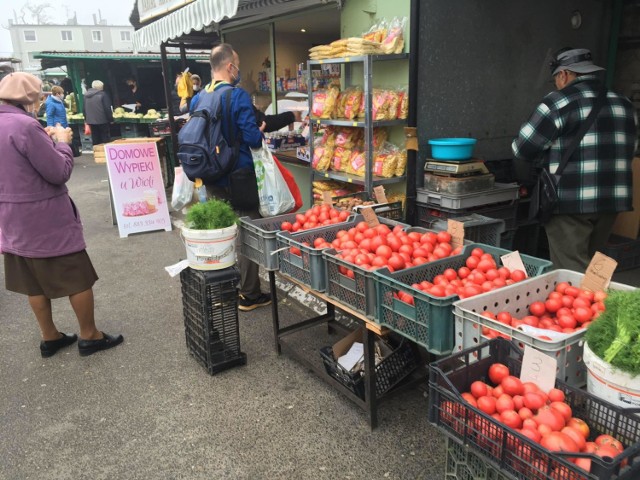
[53,277]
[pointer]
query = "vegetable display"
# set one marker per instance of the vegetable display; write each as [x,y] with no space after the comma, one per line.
[211,215]
[615,336]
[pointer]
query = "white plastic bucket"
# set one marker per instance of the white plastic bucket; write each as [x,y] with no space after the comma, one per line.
[210,249]
[609,383]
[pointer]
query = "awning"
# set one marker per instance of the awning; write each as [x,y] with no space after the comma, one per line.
[58,59]
[211,14]
[194,16]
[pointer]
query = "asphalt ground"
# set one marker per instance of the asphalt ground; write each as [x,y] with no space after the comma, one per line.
[148,410]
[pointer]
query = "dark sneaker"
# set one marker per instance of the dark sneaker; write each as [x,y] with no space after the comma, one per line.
[89,347]
[246,304]
[50,347]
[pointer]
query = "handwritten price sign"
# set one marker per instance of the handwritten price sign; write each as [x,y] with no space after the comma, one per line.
[538,368]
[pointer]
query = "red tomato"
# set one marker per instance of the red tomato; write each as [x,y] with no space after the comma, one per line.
[576,436]
[497,392]
[498,372]
[530,320]
[529,387]
[518,275]
[538,309]
[583,463]
[487,404]
[572,291]
[559,442]
[295,251]
[582,314]
[550,417]
[529,423]
[561,287]
[556,395]
[518,402]
[599,296]
[607,451]
[553,305]
[472,262]
[504,317]
[492,274]
[463,272]
[533,401]
[567,321]
[606,440]
[511,419]
[477,252]
[511,385]
[444,237]
[504,403]
[394,243]
[478,389]
[396,262]
[437,291]
[350,274]
[430,238]
[486,265]
[469,399]
[531,433]
[488,314]
[525,413]
[504,272]
[579,425]
[384,251]
[379,261]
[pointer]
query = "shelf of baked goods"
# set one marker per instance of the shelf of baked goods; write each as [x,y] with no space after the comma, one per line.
[361,59]
[356,179]
[345,122]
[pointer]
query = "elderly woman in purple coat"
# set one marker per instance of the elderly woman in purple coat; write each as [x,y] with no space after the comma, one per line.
[40,230]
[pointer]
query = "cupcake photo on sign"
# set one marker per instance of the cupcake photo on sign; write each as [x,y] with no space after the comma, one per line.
[144,206]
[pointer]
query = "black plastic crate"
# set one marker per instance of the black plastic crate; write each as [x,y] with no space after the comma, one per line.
[623,250]
[427,214]
[515,455]
[210,306]
[401,362]
[391,211]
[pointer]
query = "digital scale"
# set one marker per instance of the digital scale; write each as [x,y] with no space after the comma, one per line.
[465,168]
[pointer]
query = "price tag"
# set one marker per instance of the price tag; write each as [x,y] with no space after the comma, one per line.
[599,272]
[378,192]
[347,59]
[456,230]
[513,261]
[538,368]
[349,180]
[327,199]
[355,124]
[370,216]
[326,175]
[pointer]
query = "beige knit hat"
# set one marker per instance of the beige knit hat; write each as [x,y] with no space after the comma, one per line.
[20,87]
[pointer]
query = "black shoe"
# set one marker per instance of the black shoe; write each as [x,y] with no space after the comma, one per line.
[89,347]
[246,304]
[50,347]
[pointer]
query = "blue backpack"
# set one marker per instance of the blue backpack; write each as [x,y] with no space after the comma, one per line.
[202,150]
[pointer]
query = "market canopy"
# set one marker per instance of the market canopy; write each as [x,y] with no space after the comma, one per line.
[207,15]
[58,59]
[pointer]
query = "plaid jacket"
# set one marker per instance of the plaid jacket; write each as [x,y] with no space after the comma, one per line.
[597,178]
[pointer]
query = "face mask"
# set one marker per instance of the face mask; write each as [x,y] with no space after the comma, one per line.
[237,77]
[196,88]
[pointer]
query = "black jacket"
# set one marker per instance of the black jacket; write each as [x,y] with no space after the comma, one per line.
[274,122]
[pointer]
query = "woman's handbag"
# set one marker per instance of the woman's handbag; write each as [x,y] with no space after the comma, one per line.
[544,198]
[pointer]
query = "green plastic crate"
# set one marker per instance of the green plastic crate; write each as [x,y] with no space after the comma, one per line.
[430,321]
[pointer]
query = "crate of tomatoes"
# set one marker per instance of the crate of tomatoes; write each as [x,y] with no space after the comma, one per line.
[301,252]
[417,302]
[549,312]
[258,236]
[357,253]
[477,398]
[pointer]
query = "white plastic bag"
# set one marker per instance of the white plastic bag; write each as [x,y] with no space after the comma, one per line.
[182,190]
[273,192]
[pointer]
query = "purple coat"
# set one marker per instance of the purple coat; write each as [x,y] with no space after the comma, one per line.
[37,217]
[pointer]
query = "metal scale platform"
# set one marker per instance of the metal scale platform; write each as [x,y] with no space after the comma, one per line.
[456,178]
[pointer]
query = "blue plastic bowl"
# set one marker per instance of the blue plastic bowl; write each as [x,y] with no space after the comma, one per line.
[452,148]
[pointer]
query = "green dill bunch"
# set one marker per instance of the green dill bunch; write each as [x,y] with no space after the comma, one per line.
[211,215]
[615,335]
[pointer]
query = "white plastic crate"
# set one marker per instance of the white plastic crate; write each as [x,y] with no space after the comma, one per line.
[516,299]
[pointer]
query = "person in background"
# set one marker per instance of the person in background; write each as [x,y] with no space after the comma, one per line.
[175,99]
[597,181]
[97,113]
[185,103]
[56,113]
[133,95]
[225,74]
[40,229]
[67,85]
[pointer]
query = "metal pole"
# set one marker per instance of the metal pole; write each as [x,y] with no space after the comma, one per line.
[272,53]
[616,19]
[167,97]
[414,174]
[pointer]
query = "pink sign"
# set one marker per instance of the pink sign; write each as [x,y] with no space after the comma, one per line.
[137,191]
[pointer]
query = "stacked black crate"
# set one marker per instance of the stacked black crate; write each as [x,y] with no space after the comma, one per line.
[210,306]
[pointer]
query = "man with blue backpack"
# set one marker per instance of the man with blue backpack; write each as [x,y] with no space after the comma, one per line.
[215,147]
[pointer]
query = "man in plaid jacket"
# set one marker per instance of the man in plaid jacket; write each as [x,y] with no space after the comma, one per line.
[597,181]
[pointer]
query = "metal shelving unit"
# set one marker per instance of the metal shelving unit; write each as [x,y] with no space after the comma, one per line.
[369,180]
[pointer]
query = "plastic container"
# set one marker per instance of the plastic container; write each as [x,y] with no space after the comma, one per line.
[310,267]
[464,463]
[389,372]
[210,308]
[513,454]
[624,250]
[516,299]
[501,192]
[392,210]
[458,185]
[508,212]
[258,239]
[430,321]
[210,249]
[610,384]
[477,228]
[453,149]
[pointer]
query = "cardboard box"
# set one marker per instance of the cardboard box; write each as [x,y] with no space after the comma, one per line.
[343,345]
[628,223]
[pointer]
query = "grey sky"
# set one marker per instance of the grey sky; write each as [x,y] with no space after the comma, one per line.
[116,12]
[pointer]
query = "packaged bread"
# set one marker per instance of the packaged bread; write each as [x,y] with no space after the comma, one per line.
[377,33]
[401,164]
[322,158]
[393,103]
[340,159]
[320,49]
[347,137]
[403,104]
[357,162]
[380,136]
[328,138]
[384,163]
[379,104]
[352,102]
[362,110]
[394,39]
[324,102]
